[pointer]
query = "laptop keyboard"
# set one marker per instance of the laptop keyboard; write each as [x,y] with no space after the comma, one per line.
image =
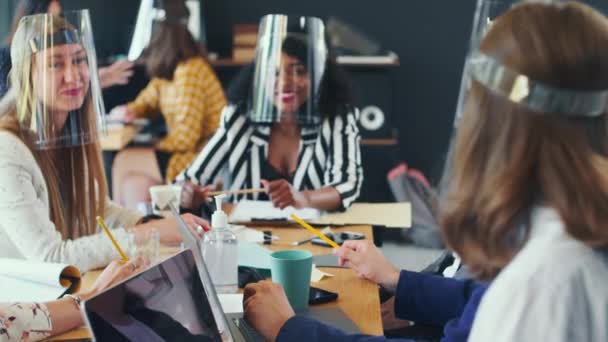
[247,330]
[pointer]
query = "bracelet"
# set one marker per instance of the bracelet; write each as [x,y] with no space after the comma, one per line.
[148,218]
[76,298]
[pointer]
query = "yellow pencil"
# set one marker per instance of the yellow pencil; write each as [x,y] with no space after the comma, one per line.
[236,192]
[314,231]
[105,229]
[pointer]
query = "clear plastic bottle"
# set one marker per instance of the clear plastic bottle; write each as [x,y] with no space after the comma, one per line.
[220,251]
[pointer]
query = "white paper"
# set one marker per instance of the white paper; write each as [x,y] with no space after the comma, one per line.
[247,211]
[253,255]
[231,303]
[19,290]
[317,275]
[244,234]
[25,281]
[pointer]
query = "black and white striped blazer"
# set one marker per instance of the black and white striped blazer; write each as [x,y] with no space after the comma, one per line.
[329,156]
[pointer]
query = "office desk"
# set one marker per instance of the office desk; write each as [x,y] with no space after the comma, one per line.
[357,298]
[118,137]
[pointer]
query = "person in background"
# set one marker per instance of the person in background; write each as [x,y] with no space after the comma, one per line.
[115,74]
[528,189]
[290,126]
[38,321]
[186,91]
[52,184]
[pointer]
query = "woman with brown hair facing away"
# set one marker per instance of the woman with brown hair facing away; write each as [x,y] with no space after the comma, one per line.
[186,91]
[527,203]
[52,184]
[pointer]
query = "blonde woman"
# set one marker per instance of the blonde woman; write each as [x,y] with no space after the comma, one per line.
[52,184]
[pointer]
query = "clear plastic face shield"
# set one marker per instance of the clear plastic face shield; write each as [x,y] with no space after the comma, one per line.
[494,75]
[291,58]
[55,80]
[151,12]
[489,72]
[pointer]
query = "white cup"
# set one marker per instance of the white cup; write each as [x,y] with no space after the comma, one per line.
[162,195]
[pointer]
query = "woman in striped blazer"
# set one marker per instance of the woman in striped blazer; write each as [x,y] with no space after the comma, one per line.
[312,163]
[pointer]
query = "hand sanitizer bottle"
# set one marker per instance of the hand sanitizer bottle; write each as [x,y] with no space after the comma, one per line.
[220,250]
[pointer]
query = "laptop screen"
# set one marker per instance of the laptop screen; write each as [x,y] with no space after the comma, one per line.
[167,302]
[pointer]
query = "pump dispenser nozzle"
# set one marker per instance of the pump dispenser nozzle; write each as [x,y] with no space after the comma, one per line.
[219,218]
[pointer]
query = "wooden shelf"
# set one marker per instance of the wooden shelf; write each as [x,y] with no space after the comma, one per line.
[229,62]
[380,142]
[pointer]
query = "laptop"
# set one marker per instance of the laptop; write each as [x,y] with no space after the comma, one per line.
[166,302]
[238,328]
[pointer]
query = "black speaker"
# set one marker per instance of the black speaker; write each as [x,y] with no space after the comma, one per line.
[373,93]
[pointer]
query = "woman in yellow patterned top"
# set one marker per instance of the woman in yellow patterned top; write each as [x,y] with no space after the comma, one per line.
[186,91]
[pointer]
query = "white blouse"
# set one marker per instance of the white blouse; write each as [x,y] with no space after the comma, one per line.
[26,230]
[555,289]
[24,322]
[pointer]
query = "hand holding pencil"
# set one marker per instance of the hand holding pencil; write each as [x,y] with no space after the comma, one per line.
[363,257]
[112,239]
[281,193]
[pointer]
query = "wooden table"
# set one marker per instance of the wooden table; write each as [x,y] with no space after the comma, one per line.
[118,137]
[357,298]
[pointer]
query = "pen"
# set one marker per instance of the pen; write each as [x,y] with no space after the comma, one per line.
[314,231]
[325,232]
[300,242]
[105,229]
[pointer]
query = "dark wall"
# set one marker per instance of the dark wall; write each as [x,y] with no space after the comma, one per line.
[7,7]
[113,23]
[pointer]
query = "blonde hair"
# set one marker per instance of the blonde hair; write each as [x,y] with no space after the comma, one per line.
[509,159]
[74,176]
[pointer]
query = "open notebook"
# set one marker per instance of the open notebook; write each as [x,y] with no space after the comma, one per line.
[248,211]
[31,281]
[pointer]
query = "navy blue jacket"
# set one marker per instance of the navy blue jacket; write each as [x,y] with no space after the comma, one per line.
[420,297]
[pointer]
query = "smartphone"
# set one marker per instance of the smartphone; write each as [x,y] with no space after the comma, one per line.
[318,296]
[338,238]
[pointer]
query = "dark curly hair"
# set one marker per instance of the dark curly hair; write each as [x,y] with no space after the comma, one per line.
[335,89]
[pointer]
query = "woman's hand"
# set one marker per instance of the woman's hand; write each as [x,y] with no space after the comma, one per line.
[114,273]
[193,196]
[283,195]
[169,230]
[368,262]
[121,113]
[266,308]
[116,74]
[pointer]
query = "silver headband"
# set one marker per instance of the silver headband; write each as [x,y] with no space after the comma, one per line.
[536,95]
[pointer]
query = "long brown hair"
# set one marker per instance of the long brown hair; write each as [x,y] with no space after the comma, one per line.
[509,159]
[171,44]
[74,176]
